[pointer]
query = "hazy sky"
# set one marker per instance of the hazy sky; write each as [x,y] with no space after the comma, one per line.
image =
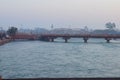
[61,13]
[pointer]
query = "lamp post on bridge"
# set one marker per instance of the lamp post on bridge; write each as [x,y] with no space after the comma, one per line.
[52,26]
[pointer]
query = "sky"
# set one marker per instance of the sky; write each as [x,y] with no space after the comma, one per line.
[61,13]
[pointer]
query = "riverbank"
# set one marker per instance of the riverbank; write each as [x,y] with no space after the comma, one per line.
[4,41]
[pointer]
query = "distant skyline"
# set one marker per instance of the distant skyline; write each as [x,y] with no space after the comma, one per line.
[60,13]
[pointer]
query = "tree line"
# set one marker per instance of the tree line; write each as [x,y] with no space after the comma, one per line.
[9,33]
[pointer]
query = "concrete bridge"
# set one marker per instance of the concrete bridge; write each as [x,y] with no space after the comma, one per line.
[66,37]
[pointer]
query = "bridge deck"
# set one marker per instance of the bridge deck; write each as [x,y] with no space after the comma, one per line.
[51,37]
[83,35]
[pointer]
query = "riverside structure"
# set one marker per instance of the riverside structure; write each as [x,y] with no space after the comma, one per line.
[66,37]
[4,39]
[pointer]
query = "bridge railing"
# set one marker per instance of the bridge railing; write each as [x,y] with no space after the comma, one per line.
[83,35]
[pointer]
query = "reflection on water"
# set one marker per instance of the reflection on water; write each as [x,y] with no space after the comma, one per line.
[35,59]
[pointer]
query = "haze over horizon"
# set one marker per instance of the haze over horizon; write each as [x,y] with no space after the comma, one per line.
[61,13]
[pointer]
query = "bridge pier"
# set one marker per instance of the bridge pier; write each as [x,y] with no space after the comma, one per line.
[51,39]
[66,39]
[108,40]
[85,39]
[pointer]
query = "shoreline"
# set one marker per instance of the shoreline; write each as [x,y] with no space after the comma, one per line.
[4,41]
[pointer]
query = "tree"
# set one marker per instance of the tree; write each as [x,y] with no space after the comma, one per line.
[12,31]
[110,25]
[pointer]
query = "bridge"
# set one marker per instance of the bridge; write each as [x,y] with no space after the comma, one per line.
[65,37]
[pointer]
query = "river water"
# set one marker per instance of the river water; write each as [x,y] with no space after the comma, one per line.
[37,59]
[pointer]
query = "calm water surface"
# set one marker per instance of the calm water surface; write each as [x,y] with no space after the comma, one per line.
[35,59]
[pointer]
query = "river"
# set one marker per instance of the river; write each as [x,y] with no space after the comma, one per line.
[37,59]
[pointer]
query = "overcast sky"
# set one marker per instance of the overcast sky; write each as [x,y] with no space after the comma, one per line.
[61,13]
